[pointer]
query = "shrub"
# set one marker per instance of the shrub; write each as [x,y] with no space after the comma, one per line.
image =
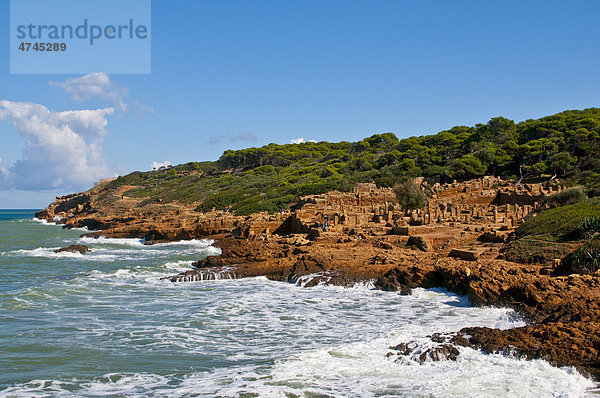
[409,195]
[385,182]
[568,196]
[592,193]
[267,169]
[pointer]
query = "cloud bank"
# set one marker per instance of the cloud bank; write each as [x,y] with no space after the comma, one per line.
[94,85]
[62,149]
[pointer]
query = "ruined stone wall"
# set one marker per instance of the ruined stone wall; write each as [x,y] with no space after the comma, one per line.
[485,200]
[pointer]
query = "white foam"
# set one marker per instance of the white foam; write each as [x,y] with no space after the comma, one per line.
[104,250]
[321,277]
[201,243]
[143,274]
[84,229]
[190,245]
[102,240]
[178,266]
[57,223]
[111,241]
[337,373]
[324,277]
[48,252]
[45,222]
[366,372]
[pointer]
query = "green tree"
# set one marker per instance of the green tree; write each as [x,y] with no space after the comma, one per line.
[468,166]
[561,163]
[409,195]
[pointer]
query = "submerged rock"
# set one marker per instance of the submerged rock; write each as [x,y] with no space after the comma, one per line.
[82,249]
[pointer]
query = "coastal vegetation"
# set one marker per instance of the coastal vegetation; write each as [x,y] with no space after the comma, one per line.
[554,233]
[563,146]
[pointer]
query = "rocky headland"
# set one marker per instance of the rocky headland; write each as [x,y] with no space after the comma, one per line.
[463,240]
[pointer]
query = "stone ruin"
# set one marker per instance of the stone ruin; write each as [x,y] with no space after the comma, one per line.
[488,200]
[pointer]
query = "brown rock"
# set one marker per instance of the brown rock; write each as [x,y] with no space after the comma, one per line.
[82,249]
[464,254]
[418,242]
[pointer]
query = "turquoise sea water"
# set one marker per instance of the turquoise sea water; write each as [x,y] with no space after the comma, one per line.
[105,324]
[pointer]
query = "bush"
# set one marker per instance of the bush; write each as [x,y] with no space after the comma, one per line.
[315,188]
[409,195]
[221,200]
[568,196]
[594,192]
[261,170]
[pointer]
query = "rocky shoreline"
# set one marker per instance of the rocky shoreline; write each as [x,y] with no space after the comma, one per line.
[462,252]
[562,310]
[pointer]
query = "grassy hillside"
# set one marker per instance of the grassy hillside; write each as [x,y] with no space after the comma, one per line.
[565,145]
[556,232]
[561,224]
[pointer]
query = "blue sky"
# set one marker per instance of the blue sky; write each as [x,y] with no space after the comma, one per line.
[235,74]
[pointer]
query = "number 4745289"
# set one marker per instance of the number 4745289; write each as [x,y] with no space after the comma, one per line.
[43,46]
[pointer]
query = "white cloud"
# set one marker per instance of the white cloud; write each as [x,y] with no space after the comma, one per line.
[94,85]
[300,141]
[158,165]
[62,149]
[3,170]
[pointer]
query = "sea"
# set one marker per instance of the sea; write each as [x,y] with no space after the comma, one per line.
[105,324]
